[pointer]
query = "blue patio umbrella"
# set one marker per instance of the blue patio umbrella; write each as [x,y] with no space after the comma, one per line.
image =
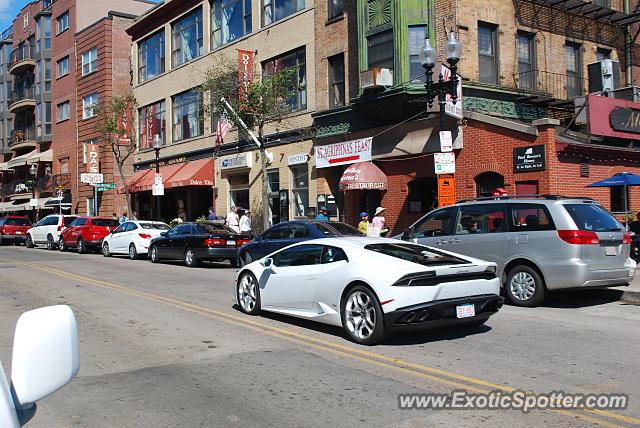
[620,179]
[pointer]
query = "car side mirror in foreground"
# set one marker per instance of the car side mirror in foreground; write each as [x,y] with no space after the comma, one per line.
[46,354]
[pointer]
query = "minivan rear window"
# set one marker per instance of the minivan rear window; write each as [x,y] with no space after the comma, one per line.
[18,222]
[416,254]
[592,217]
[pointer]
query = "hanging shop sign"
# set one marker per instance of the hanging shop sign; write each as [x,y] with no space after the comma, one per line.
[446,190]
[343,153]
[445,163]
[91,178]
[93,158]
[297,159]
[241,160]
[529,159]
[245,73]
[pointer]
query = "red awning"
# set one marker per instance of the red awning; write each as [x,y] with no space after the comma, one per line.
[145,180]
[363,176]
[196,173]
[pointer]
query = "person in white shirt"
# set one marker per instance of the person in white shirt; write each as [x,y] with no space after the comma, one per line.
[245,223]
[232,219]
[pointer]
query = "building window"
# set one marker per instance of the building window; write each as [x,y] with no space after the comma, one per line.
[273,10]
[89,103]
[417,36]
[300,190]
[187,114]
[89,61]
[187,38]
[47,75]
[380,50]
[487,183]
[618,199]
[297,58]
[63,22]
[602,54]
[230,19]
[273,176]
[47,117]
[63,111]
[239,191]
[336,8]
[336,81]
[574,70]
[487,53]
[63,67]
[152,122]
[151,57]
[423,195]
[43,33]
[526,61]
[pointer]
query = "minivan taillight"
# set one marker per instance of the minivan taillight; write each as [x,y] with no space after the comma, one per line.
[626,238]
[580,237]
[214,242]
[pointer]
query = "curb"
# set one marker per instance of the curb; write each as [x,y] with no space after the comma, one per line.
[631,296]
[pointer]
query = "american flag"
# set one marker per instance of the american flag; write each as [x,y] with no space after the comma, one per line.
[224,126]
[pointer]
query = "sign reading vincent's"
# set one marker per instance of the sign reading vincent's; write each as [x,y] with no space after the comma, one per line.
[625,119]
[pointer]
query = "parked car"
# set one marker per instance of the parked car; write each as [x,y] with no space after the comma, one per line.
[370,286]
[539,243]
[132,238]
[290,232]
[14,229]
[48,230]
[86,233]
[195,242]
[46,356]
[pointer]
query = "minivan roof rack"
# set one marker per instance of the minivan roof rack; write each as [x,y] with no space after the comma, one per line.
[540,196]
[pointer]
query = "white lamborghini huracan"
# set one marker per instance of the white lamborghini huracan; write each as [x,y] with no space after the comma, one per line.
[370,286]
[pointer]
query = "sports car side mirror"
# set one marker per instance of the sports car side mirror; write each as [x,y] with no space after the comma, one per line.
[268,262]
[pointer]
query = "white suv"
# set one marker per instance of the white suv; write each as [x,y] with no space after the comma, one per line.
[47,231]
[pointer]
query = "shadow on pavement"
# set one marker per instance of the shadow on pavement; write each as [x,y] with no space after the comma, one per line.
[581,298]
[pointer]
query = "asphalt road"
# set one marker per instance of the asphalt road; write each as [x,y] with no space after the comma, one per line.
[163,346]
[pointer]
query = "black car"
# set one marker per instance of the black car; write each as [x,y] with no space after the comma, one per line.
[195,242]
[284,234]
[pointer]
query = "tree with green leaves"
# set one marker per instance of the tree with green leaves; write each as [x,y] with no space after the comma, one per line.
[114,117]
[256,104]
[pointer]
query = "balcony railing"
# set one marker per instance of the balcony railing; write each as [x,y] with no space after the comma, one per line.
[18,136]
[17,187]
[22,53]
[27,93]
[552,85]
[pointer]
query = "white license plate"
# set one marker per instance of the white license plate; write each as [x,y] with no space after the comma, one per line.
[610,251]
[18,232]
[466,310]
[231,243]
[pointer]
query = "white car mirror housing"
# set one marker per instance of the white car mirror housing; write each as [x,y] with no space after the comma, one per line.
[46,353]
[267,262]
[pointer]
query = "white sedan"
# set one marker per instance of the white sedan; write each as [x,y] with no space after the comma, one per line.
[370,286]
[132,238]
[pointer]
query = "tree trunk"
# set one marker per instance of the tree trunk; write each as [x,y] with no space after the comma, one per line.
[264,161]
[126,189]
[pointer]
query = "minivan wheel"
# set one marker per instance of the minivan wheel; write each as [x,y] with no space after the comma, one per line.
[362,316]
[524,286]
[50,244]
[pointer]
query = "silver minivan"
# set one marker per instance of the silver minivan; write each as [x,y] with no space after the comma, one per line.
[539,243]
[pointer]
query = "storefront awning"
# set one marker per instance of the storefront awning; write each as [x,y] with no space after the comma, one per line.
[196,173]
[46,156]
[20,160]
[4,167]
[363,176]
[10,207]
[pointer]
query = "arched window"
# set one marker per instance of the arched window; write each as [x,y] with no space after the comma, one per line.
[487,182]
[423,193]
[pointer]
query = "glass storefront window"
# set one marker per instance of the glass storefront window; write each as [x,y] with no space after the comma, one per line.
[239,191]
[300,190]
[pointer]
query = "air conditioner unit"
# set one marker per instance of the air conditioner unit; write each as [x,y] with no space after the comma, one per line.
[630,93]
[604,76]
[376,78]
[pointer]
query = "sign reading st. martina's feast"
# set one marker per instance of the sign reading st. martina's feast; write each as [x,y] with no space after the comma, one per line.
[343,153]
[529,159]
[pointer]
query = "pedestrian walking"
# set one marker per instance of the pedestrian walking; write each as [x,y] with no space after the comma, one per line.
[379,221]
[124,218]
[323,214]
[364,222]
[245,223]
[212,214]
[232,219]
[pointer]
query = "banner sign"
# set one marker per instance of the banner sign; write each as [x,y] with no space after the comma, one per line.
[445,163]
[446,190]
[93,158]
[529,159]
[245,72]
[343,153]
[124,123]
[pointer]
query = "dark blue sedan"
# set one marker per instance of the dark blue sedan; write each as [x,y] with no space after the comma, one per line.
[284,234]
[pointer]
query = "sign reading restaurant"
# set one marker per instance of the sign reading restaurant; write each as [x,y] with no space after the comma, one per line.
[343,153]
[529,159]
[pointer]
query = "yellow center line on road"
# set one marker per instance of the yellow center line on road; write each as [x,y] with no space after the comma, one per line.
[335,348]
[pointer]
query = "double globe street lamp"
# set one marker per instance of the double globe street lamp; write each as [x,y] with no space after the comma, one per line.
[428,56]
[157,144]
[33,170]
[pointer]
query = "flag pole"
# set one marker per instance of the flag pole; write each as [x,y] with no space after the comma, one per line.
[240,122]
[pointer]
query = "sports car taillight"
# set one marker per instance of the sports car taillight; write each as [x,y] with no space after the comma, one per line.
[626,238]
[214,242]
[144,235]
[584,237]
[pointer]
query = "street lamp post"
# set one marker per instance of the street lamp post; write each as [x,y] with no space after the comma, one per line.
[33,170]
[157,143]
[441,88]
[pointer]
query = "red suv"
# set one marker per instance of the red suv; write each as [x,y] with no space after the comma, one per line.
[14,229]
[86,233]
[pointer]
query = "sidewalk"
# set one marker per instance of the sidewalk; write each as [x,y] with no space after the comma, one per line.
[632,292]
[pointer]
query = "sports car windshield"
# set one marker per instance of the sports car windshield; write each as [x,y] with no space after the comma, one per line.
[416,254]
[337,229]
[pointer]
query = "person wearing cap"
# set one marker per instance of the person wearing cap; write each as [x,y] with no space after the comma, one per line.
[245,223]
[364,222]
[379,221]
[322,215]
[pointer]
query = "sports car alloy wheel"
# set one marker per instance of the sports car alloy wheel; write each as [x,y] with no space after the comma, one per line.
[362,316]
[105,250]
[249,294]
